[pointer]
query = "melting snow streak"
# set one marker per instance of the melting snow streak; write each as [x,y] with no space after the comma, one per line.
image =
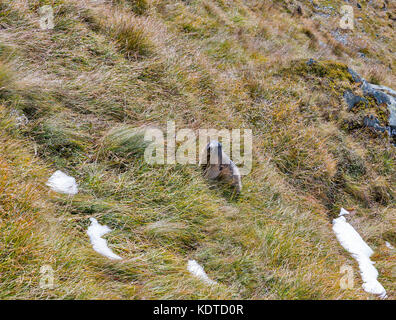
[195,269]
[62,183]
[389,245]
[95,232]
[361,252]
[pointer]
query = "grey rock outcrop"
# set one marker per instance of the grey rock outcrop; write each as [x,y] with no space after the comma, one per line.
[382,95]
[352,100]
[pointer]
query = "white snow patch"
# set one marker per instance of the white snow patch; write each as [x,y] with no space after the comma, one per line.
[361,252]
[20,118]
[95,232]
[196,270]
[343,212]
[389,245]
[62,183]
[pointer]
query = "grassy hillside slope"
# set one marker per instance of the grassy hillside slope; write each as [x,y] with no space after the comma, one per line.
[204,64]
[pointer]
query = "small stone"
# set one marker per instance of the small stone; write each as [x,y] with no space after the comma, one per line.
[379,96]
[373,122]
[352,100]
[310,62]
[354,75]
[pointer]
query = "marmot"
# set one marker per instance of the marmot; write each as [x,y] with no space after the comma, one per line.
[219,166]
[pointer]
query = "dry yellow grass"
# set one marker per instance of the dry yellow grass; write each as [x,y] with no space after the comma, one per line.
[219,64]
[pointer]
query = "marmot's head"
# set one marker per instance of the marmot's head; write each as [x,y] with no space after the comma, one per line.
[214,152]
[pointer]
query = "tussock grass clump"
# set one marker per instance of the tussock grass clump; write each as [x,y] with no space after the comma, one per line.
[304,157]
[357,190]
[382,192]
[125,141]
[350,162]
[193,24]
[9,16]
[313,40]
[30,99]
[33,101]
[138,6]
[168,233]
[134,35]
[324,69]
[57,139]
[227,52]
[131,35]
